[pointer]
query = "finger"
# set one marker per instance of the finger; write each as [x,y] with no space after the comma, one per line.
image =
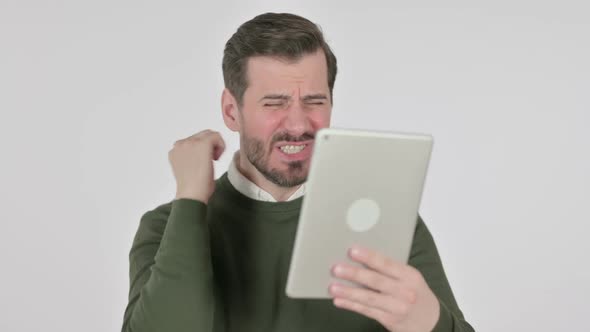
[217,152]
[369,278]
[218,144]
[375,280]
[196,136]
[216,141]
[369,298]
[200,134]
[377,261]
[379,315]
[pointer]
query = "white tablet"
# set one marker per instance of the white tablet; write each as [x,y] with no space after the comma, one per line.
[363,187]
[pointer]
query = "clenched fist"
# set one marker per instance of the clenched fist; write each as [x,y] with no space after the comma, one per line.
[192,164]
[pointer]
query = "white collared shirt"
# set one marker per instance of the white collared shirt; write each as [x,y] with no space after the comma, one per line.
[250,189]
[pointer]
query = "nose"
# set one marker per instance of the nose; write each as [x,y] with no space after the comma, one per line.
[296,121]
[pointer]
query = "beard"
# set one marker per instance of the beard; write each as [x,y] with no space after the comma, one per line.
[260,157]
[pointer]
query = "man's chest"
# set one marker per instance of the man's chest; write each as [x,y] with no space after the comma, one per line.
[250,274]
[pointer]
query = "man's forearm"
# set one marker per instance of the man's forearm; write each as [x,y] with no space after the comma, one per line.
[175,293]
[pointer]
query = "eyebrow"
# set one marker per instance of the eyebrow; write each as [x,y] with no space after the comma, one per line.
[276,97]
[316,96]
[305,98]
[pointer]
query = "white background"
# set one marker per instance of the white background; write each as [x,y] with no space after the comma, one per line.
[93,95]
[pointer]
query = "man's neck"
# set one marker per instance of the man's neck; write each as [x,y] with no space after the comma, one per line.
[251,173]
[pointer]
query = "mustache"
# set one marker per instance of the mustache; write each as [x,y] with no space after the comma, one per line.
[290,138]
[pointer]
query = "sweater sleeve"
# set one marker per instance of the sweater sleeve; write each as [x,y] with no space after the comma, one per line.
[424,257]
[170,270]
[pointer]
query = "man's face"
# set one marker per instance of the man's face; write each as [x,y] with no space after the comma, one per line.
[284,106]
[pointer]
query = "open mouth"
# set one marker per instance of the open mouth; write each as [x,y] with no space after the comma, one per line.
[292,149]
[295,151]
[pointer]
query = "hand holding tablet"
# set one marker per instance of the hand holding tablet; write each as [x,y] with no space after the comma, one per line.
[364,188]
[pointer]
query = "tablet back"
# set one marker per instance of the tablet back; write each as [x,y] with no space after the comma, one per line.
[363,188]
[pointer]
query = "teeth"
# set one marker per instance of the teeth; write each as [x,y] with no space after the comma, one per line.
[290,149]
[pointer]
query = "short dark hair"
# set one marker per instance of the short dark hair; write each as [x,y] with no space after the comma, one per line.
[272,34]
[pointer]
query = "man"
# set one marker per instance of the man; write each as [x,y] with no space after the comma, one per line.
[216,257]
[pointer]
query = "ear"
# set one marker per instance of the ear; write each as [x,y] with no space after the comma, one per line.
[229,110]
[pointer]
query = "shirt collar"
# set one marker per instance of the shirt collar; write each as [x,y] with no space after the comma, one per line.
[249,188]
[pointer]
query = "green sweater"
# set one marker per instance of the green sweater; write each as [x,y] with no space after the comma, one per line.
[223,267]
